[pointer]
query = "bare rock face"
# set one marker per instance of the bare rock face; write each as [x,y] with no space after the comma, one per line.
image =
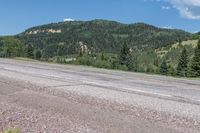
[34,32]
[83,49]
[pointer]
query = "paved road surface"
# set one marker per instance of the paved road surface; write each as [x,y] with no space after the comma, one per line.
[41,97]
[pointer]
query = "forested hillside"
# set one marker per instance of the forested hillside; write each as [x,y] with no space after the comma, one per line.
[107,44]
[99,36]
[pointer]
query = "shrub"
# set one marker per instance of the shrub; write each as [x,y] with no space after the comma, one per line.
[103,64]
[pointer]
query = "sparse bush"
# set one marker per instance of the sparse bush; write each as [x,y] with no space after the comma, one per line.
[164,68]
[102,64]
[86,60]
[37,54]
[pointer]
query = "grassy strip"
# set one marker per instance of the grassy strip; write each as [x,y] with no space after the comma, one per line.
[15,130]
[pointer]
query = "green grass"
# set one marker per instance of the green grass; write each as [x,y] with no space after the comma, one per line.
[24,59]
[15,130]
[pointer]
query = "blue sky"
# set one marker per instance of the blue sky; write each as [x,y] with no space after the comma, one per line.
[18,15]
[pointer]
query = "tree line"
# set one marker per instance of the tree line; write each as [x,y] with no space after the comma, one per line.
[13,47]
[126,59]
[185,67]
[129,61]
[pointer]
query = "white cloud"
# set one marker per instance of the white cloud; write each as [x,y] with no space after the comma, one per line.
[167,27]
[188,8]
[165,7]
[68,19]
[196,31]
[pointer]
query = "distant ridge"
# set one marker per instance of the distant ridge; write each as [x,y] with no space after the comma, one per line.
[101,35]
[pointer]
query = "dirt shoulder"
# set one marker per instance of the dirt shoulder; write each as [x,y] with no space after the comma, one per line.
[33,108]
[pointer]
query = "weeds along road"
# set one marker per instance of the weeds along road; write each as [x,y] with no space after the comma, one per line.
[40,97]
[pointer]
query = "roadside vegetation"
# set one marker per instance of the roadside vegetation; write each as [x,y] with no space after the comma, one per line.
[181,60]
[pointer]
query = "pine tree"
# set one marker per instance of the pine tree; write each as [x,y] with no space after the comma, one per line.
[182,67]
[30,51]
[38,54]
[164,68]
[126,58]
[124,54]
[130,62]
[195,65]
[171,71]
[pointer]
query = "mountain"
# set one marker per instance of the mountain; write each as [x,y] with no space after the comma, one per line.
[100,36]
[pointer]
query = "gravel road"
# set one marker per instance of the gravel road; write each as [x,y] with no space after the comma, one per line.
[49,98]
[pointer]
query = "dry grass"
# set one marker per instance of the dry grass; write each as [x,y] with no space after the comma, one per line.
[15,130]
